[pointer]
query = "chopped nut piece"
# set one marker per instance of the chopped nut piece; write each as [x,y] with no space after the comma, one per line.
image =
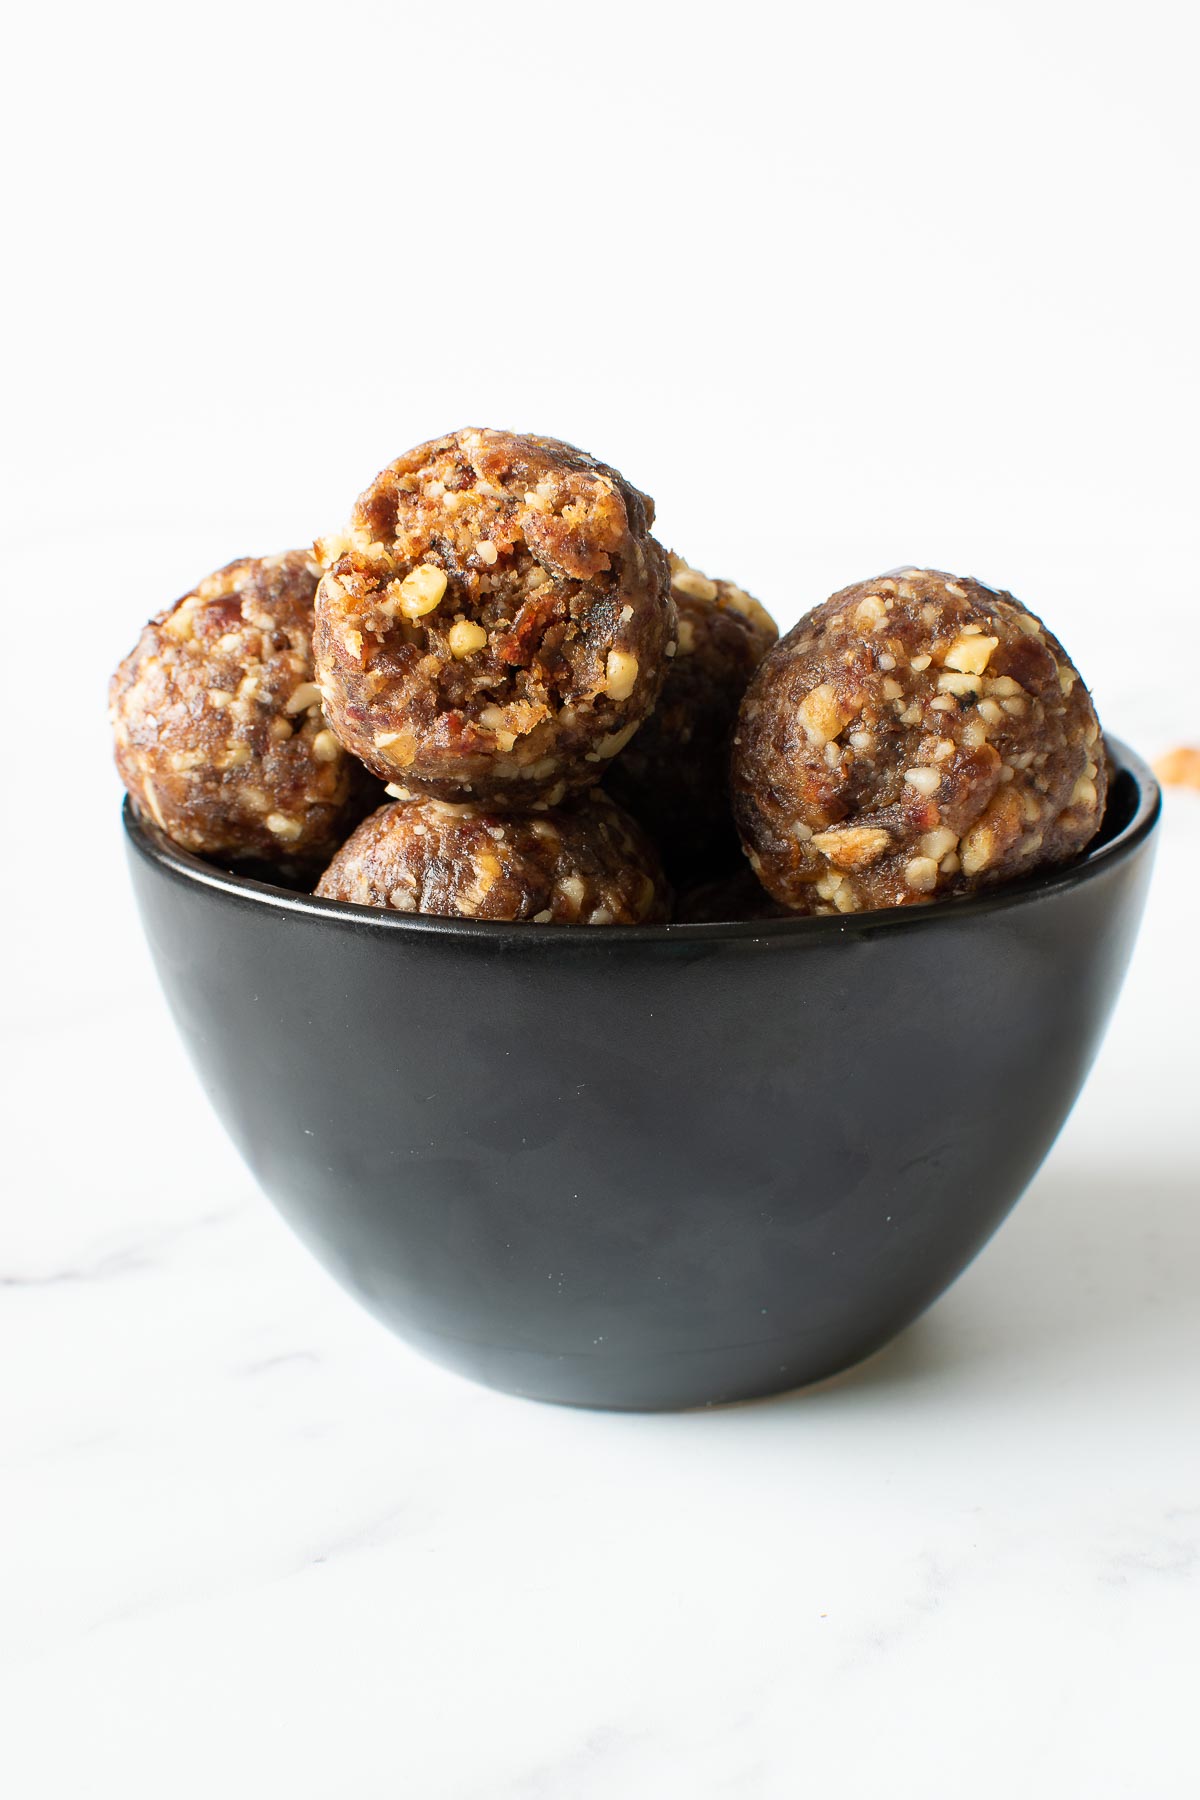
[325,747]
[306,695]
[465,637]
[870,614]
[691,583]
[970,654]
[925,780]
[852,846]
[977,849]
[397,747]
[735,599]
[621,673]
[180,623]
[495,719]
[937,844]
[420,592]
[612,746]
[921,874]
[821,715]
[1179,768]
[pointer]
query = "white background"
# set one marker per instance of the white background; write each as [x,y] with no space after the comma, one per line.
[842,287]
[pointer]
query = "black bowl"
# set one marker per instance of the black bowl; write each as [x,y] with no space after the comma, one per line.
[659,1166]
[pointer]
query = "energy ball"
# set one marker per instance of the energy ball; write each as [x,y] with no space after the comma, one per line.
[583,864]
[674,776]
[916,736]
[218,725]
[494,625]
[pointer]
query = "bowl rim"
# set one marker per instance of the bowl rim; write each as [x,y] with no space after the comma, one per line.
[151,843]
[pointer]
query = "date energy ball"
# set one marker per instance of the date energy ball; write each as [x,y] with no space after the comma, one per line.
[494,624]
[674,776]
[916,736]
[586,863]
[218,725]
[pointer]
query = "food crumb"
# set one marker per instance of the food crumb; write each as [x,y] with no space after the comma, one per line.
[1179,767]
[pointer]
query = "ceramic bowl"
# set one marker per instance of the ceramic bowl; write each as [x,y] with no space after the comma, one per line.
[657,1166]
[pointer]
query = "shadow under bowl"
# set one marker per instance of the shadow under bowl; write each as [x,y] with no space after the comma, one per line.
[651,1167]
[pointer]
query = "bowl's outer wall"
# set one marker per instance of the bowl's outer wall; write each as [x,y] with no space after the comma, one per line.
[644,1174]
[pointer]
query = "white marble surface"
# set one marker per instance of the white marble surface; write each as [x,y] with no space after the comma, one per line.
[842,287]
[253,1546]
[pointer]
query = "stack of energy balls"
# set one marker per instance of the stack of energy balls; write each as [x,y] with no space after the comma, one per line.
[496,696]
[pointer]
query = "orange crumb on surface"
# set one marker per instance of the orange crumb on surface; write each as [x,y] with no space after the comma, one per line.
[1179,768]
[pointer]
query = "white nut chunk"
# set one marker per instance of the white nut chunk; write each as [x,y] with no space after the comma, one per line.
[465,637]
[870,614]
[852,846]
[821,714]
[420,592]
[306,695]
[620,674]
[921,874]
[938,843]
[970,655]
[954,683]
[325,747]
[977,849]
[692,583]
